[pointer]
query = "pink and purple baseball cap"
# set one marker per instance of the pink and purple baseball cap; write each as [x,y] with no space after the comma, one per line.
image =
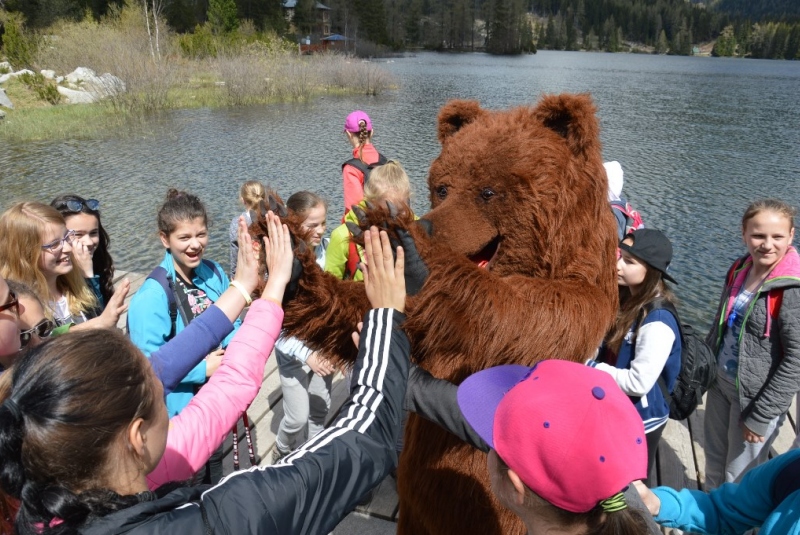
[567,430]
[351,123]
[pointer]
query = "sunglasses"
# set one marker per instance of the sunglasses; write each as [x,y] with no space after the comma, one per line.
[12,302]
[76,206]
[57,245]
[43,329]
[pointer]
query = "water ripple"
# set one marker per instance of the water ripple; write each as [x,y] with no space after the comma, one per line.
[698,138]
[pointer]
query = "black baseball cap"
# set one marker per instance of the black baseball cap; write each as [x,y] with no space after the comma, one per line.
[652,247]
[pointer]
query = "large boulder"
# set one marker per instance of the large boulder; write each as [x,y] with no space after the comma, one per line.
[6,77]
[106,85]
[76,96]
[4,100]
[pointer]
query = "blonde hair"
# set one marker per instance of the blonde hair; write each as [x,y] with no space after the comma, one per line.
[252,192]
[769,205]
[389,179]
[22,227]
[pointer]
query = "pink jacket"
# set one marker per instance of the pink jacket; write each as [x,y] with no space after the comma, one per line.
[202,426]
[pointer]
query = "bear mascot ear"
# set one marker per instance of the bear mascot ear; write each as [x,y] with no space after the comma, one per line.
[573,117]
[456,114]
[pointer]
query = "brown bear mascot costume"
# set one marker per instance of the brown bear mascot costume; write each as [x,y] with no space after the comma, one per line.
[518,255]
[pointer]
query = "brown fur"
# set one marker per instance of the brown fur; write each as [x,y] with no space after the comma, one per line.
[549,292]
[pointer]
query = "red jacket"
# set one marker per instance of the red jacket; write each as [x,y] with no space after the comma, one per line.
[353,179]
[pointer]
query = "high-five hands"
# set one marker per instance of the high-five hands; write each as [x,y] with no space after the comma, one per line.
[278,249]
[383,275]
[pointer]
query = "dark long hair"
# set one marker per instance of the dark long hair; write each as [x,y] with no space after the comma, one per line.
[633,307]
[67,403]
[102,263]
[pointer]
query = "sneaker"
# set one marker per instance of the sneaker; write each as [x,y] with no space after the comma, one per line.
[278,454]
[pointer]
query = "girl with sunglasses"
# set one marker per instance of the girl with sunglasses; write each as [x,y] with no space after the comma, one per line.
[9,325]
[34,326]
[91,243]
[36,250]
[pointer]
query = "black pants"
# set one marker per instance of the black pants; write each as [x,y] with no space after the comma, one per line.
[652,438]
[211,473]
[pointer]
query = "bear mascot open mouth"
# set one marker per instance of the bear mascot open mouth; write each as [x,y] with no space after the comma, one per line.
[518,256]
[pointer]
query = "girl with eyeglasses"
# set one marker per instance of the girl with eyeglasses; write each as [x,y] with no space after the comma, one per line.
[91,243]
[36,250]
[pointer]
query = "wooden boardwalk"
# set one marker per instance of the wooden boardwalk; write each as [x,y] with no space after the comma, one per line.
[680,458]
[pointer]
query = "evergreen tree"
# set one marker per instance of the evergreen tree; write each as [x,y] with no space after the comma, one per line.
[222,15]
[725,46]
[793,44]
[371,16]
[591,42]
[662,45]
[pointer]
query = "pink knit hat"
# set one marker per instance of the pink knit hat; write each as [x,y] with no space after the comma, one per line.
[567,430]
[351,123]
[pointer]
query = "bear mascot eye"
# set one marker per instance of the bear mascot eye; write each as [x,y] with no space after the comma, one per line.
[441,192]
[487,194]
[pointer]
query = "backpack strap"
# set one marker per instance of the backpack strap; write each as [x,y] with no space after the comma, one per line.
[365,168]
[352,261]
[734,268]
[159,274]
[358,164]
[774,302]
[212,266]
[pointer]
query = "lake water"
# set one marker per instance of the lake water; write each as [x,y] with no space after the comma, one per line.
[698,138]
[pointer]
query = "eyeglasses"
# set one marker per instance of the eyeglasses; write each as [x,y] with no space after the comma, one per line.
[57,245]
[76,206]
[43,329]
[11,302]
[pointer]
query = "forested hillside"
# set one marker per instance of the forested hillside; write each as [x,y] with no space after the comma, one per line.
[755,28]
[757,10]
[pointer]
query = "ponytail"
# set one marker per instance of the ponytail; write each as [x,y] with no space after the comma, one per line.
[624,521]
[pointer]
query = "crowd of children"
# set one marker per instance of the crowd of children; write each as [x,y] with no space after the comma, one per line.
[119,434]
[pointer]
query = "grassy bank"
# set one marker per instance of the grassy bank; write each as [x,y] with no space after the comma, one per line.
[195,70]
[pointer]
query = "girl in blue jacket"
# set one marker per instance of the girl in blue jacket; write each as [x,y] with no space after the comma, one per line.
[195,284]
[644,345]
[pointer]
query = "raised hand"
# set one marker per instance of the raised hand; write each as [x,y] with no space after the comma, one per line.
[397,222]
[247,262]
[278,254]
[115,307]
[384,279]
[83,258]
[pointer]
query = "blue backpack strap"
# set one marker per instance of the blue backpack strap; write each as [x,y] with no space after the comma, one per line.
[213,267]
[159,274]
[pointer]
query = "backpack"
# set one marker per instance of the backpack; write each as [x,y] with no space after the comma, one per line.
[364,167]
[159,274]
[633,219]
[698,369]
